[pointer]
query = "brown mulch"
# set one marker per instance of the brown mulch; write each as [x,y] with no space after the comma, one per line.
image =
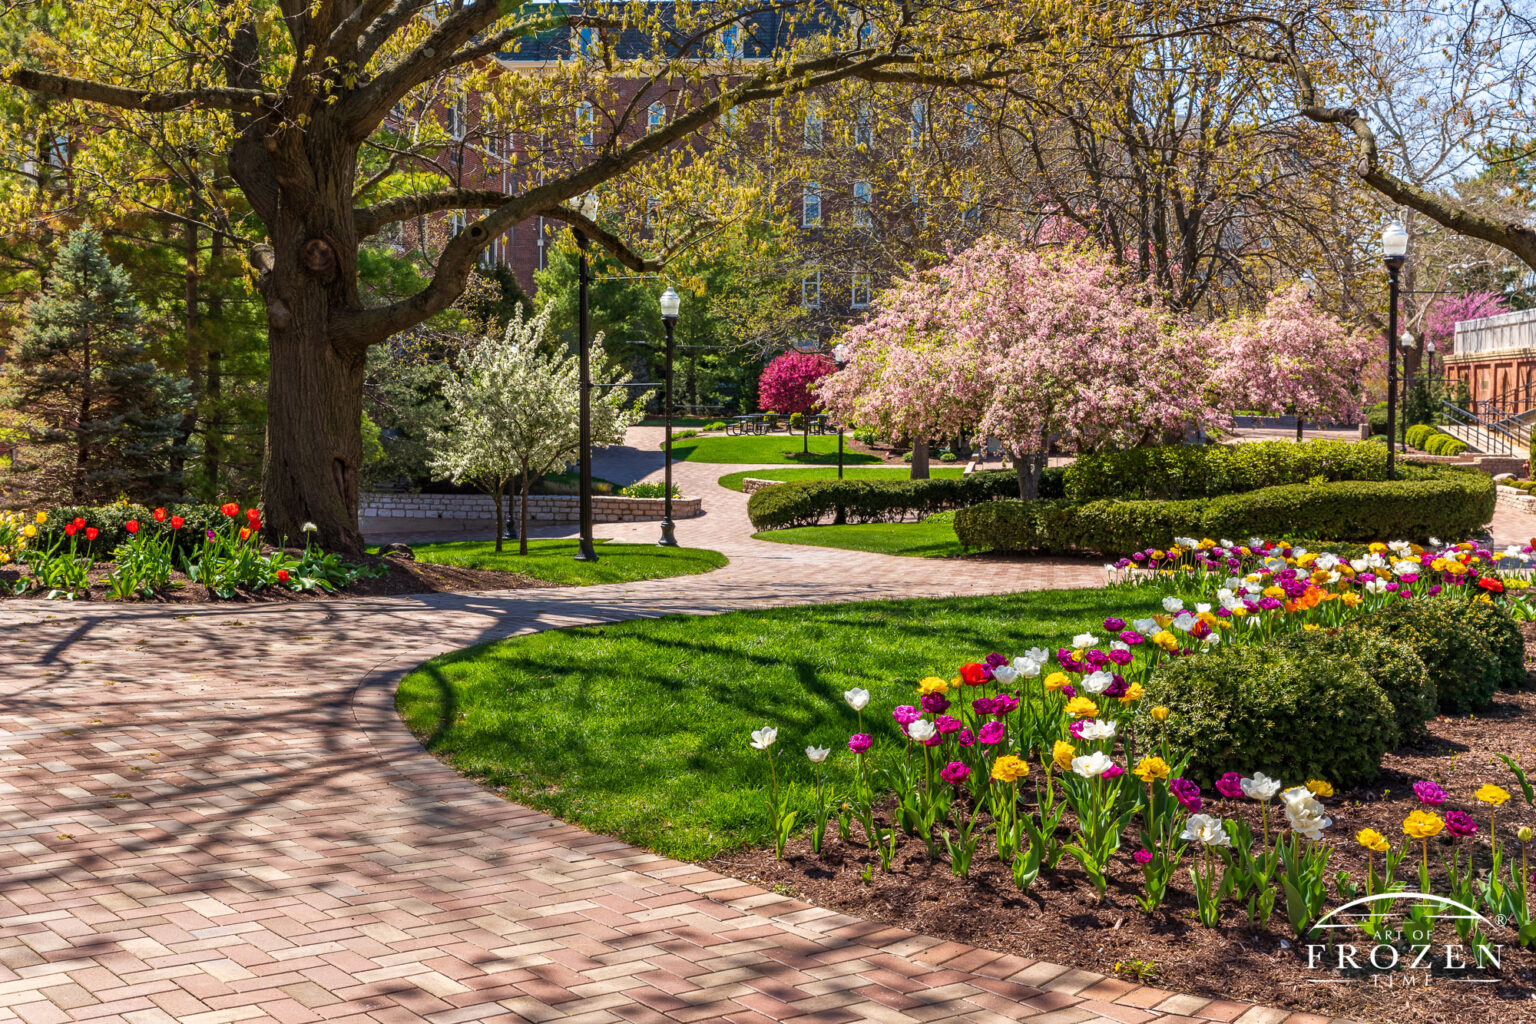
[404,577]
[1060,919]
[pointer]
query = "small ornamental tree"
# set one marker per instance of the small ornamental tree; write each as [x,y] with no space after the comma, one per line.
[1039,348]
[514,413]
[81,372]
[1445,313]
[787,386]
[1291,358]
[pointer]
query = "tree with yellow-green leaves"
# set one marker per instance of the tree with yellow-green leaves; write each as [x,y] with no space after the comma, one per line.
[336,120]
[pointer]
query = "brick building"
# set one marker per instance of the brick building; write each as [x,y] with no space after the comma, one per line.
[1496,357]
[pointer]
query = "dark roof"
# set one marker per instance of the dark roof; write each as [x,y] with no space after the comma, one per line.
[763,33]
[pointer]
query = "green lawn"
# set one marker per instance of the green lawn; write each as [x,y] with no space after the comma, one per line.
[769,449]
[733,480]
[553,560]
[640,730]
[929,539]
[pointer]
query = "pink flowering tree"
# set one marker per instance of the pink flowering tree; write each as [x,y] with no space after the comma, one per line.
[786,386]
[1292,357]
[1446,312]
[1037,347]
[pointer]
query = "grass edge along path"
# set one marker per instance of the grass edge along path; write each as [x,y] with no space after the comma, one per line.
[640,730]
[931,538]
[552,560]
[766,449]
[732,481]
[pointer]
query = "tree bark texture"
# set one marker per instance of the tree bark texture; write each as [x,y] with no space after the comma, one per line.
[919,460]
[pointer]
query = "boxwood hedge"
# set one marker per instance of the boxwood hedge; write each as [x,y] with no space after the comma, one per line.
[1441,501]
[1469,649]
[808,502]
[1204,471]
[1392,665]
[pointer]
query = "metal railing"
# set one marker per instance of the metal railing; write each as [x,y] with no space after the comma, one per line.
[1498,425]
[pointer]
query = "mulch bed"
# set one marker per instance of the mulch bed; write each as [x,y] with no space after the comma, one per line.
[1061,920]
[404,577]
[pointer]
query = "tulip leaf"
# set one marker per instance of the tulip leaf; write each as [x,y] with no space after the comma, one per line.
[1525,785]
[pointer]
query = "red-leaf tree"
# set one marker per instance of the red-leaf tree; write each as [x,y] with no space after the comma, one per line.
[1037,347]
[786,386]
[1292,358]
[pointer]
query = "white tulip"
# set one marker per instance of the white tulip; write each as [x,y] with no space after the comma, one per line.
[1004,674]
[1202,609]
[1091,766]
[857,699]
[1186,542]
[763,738]
[1097,682]
[817,754]
[1119,645]
[1097,729]
[921,730]
[1376,586]
[309,528]
[1184,621]
[1261,787]
[1172,604]
[1084,640]
[1146,627]
[1434,542]
[1206,830]
[1304,812]
[1227,544]
[1038,655]
[1026,667]
[1255,542]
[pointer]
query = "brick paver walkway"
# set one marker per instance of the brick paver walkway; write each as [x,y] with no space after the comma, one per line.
[213,814]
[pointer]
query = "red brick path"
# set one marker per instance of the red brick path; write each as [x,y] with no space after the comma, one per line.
[213,814]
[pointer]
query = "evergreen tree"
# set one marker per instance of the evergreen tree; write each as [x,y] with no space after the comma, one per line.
[80,373]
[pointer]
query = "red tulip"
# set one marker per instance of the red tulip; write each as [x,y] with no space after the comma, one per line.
[282,575]
[79,523]
[159,515]
[253,513]
[245,533]
[177,522]
[91,533]
[69,529]
[132,526]
[230,508]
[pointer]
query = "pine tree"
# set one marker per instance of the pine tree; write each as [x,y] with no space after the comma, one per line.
[80,372]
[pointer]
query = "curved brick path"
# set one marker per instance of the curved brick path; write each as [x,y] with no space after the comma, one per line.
[213,814]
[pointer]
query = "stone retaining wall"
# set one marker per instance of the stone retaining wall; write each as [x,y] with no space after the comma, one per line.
[542,508]
[1512,499]
[751,485]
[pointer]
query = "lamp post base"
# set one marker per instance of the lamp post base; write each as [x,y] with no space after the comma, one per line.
[586,552]
[667,539]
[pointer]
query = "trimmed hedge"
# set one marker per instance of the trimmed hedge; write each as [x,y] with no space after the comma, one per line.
[1392,665]
[1417,434]
[1466,648]
[1440,501]
[1195,471]
[1291,712]
[1444,444]
[807,502]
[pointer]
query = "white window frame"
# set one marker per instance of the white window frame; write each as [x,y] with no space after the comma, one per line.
[810,290]
[457,222]
[810,200]
[586,115]
[864,126]
[458,118]
[860,290]
[815,126]
[731,41]
[863,204]
[586,37]
[919,122]
[656,115]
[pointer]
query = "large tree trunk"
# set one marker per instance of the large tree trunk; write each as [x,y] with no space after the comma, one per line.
[501,486]
[522,514]
[919,460]
[1029,466]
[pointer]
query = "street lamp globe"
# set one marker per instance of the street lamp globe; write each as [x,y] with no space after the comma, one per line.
[1429,346]
[1394,241]
[671,303]
[1406,341]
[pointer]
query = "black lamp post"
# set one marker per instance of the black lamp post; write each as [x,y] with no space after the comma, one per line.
[1394,248]
[671,303]
[839,356]
[586,552]
[1406,344]
[1429,360]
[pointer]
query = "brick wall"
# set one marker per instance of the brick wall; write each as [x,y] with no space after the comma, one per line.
[542,508]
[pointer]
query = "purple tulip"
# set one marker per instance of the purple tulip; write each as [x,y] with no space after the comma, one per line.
[860,742]
[947,724]
[1132,638]
[1120,656]
[955,772]
[965,738]
[906,714]
[935,702]
[1069,691]
[1429,793]
[993,733]
[1004,704]
[1142,857]
[995,660]
[1114,771]
[1187,793]
[1230,786]
[1076,729]
[1116,688]
[1114,625]
[983,705]
[1459,823]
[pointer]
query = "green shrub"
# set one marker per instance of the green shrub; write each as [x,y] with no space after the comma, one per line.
[1435,443]
[715,425]
[1503,637]
[1429,501]
[1377,418]
[1391,664]
[948,456]
[1419,433]
[679,435]
[109,519]
[1291,712]
[797,421]
[1462,663]
[648,490]
[807,502]
[1456,447]
[1193,471]
[868,436]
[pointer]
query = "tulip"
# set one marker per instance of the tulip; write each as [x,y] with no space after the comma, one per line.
[159,515]
[857,699]
[1205,830]
[859,742]
[1091,766]
[132,526]
[921,730]
[763,738]
[955,772]
[817,754]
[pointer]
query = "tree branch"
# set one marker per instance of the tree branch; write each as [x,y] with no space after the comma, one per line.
[251,101]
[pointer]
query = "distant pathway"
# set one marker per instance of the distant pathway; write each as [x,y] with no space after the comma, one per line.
[213,814]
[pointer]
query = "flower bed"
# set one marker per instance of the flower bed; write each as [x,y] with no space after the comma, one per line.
[1189,766]
[133,552]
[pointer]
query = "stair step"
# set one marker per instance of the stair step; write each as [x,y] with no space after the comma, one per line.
[1486,442]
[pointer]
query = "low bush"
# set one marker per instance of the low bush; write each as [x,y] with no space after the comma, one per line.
[807,502]
[1291,712]
[1391,664]
[1196,471]
[715,425]
[1464,665]
[868,436]
[1431,501]
[797,421]
[678,435]
[1417,434]
[648,490]
[1377,418]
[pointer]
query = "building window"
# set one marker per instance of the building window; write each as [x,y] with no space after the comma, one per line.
[652,208]
[859,292]
[491,255]
[972,134]
[810,206]
[730,41]
[970,207]
[456,223]
[458,119]
[919,208]
[586,38]
[863,203]
[656,115]
[730,120]
[919,121]
[584,121]
[864,126]
[813,126]
[810,290]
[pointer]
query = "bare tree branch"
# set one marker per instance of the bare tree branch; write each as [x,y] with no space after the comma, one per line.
[251,101]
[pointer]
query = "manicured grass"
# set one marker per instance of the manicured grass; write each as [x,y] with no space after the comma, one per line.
[553,560]
[769,449]
[928,539]
[640,730]
[679,422]
[733,480]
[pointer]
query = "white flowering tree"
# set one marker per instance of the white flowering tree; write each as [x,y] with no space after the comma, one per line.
[514,413]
